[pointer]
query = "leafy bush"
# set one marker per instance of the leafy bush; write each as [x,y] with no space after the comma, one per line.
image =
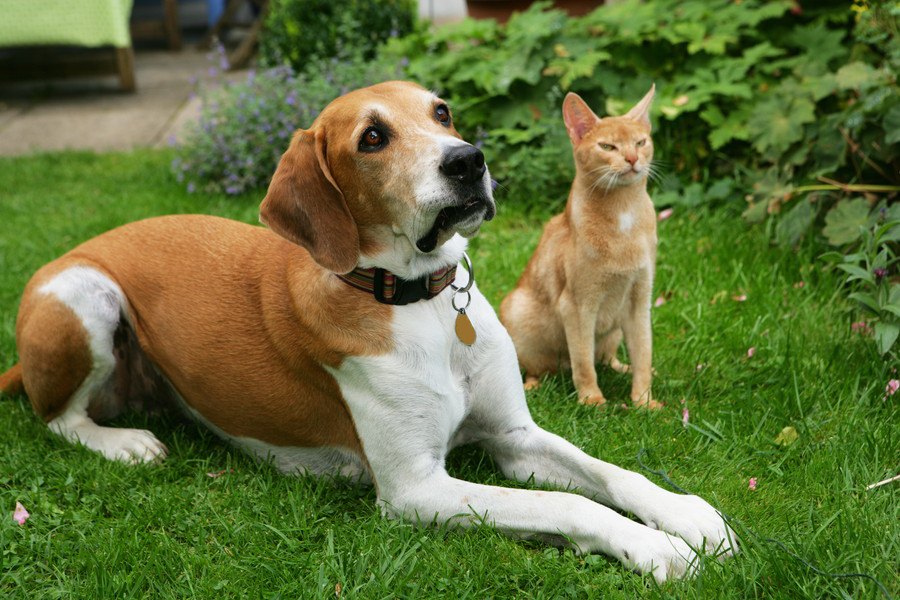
[303,32]
[795,110]
[749,92]
[244,127]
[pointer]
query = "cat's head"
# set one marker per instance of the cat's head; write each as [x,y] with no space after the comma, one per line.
[614,151]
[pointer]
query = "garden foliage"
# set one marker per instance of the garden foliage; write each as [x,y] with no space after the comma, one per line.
[793,109]
[302,33]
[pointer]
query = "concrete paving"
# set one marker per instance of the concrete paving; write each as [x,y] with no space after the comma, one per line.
[90,113]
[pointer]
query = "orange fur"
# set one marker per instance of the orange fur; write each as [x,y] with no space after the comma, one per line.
[590,279]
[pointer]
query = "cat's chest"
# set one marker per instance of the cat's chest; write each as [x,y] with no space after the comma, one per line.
[622,241]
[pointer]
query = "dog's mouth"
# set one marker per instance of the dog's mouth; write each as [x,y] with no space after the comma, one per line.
[479,208]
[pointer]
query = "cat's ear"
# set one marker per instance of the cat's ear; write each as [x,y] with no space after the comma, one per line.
[641,110]
[578,116]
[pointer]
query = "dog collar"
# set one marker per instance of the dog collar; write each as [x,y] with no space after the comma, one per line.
[390,289]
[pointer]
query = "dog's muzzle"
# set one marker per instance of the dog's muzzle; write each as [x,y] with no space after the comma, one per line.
[464,167]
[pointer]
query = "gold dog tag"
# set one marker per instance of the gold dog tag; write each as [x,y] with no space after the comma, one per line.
[464,330]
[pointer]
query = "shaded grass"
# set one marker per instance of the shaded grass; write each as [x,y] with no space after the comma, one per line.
[100,529]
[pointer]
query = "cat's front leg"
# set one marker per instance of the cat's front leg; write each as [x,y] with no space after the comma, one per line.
[578,320]
[639,341]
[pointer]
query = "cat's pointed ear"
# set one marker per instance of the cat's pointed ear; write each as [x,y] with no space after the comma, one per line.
[578,116]
[641,110]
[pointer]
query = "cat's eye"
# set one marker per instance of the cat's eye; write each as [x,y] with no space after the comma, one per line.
[641,142]
[607,147]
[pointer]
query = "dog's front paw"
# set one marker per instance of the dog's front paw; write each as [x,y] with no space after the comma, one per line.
[695,521]
[659,554]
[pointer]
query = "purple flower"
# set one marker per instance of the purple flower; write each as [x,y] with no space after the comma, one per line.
[404,62]
[191,188]
[212,71]
[232,190]
[879,273]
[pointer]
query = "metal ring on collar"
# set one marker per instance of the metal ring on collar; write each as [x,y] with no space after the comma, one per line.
[471,270]
[468,300]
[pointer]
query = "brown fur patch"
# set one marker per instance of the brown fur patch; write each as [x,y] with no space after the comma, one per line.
[54,353]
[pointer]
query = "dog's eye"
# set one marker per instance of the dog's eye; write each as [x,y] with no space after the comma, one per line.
[607,147]
[641,142]
[372,139]
[442,114]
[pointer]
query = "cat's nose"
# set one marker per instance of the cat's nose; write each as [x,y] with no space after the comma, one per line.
[631,158]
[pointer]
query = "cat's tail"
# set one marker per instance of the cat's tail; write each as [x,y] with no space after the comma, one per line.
[11,381]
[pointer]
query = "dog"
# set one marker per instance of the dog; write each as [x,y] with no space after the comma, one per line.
[329,343]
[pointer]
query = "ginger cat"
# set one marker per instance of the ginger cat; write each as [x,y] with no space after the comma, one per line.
[590,279]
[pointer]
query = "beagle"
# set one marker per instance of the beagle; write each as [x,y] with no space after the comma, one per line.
[330,344]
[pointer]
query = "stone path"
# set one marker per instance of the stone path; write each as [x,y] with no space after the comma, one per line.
[91,114]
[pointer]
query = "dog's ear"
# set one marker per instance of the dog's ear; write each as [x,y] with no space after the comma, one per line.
[305,205]
[641,110]
[578,116]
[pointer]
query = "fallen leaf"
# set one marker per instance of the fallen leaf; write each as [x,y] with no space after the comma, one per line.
[337,589]
[751,351]
[700,367]
[20,515]
[665,214]
[659,301]
[799,285]
[685,415]
[680,100]
[218,473]
[891,388]
[787,436]
[739,297]
[751,485]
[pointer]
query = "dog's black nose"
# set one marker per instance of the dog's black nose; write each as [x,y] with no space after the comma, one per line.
[464,164]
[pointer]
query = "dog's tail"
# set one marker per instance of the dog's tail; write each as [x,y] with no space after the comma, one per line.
[11,381]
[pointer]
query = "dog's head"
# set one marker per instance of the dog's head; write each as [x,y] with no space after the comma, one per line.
[381,168]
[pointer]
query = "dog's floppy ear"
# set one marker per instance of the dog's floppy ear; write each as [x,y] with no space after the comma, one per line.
[578,116]
[305,205]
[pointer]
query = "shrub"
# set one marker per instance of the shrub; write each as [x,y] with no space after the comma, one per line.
[794,109]
[303,32]
[244,127]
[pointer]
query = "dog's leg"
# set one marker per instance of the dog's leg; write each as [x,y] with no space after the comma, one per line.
[66,350]
[499,419]
[526,451]
[556,517]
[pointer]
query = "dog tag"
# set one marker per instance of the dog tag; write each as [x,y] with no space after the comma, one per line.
[464,330]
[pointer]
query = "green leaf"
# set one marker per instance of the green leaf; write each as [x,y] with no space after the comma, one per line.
[787,436]
[844,222]
[867,300]
[891,124]
[894,309]
[818,42]
[885,336]
[857,272]
[775,124]
[795,223]
[857,75]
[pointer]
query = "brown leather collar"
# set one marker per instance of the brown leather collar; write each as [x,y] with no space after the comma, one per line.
[390,289]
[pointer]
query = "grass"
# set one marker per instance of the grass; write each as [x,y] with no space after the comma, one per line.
[104,530]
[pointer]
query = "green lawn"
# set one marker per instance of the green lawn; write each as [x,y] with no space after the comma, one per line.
[105,530]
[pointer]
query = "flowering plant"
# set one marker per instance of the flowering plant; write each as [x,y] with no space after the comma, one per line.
[245,126]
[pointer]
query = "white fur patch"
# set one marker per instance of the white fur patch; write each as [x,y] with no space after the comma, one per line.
[626,221]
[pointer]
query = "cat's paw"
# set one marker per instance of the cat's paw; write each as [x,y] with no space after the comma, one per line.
[618,366]
[645,400]
[531,383]
[593,400]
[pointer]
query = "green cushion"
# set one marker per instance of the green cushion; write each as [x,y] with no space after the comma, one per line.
[75,22]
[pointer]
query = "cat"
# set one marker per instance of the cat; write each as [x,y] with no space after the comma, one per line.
[590,280]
